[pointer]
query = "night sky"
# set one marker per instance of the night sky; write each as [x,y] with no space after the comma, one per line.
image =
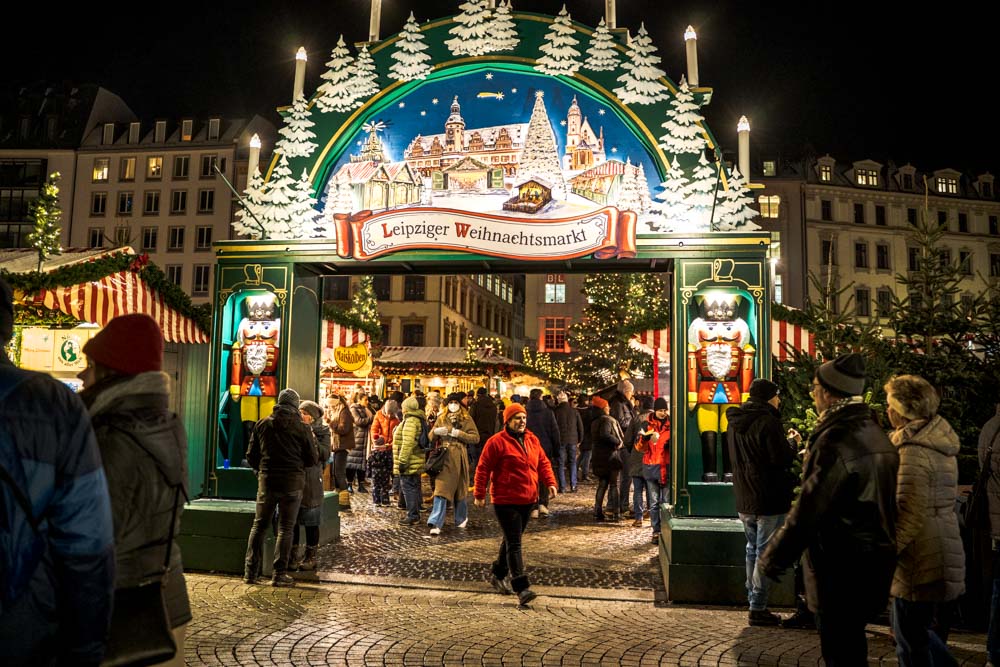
[853,79]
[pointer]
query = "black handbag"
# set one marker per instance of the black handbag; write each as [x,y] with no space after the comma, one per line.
[435,460]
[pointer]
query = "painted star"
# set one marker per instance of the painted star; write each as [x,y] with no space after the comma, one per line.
[489,76]
[423,113]
[563,123]
[601,111]
[499,96]
[614,149]
[513,91]
[402,105]
[434,101]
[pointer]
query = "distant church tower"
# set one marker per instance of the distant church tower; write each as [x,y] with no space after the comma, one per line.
[573,124]
[454,129]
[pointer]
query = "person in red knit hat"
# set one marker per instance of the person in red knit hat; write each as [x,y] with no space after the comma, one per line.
[510,466]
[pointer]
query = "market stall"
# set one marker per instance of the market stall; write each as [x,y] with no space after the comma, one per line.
[445,369]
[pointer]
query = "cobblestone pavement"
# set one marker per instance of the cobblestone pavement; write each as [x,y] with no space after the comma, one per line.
[392,595]
[351,624]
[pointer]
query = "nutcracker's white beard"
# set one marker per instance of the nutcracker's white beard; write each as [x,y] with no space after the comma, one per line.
[256,358]
[718,357]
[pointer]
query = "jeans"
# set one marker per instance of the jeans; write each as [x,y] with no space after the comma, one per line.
[759,529]
[287,503]
[440,508]
[338,470]
[567,459]
[607,483]
[584,467]
[410,489]
[916,643]
[638,487]
[656,495]
[513,519]
[993,632]
[842,637]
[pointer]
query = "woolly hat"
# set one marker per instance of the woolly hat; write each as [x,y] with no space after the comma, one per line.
[312,409]
[598,402]
[289,397]
[845,374]
[481,391]
[130,344]
[646,402]
[661,404]
[625,387]
[6,312]
[411,404]
[455,397]
[511,410]
[763,390]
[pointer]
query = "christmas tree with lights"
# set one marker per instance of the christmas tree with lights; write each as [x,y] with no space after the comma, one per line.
[540,158]
[44,214]
[601,54]
[411,61]
[641,80]
[296,137]
[559,46]
[364,305]
[337,92]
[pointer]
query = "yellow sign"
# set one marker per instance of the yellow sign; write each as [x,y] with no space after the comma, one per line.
[365,370]
[351,358]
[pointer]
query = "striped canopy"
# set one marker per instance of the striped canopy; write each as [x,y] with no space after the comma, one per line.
[338,335]
[785,337]
[100,301]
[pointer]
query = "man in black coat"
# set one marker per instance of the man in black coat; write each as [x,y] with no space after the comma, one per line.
[542,423]
[763,483]
[484,413]
[570,435]
[624,412]
[845,517]
[281,448]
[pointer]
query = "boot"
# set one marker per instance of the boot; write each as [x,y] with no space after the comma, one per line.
[345,500]
[362,488]
[308,563]
[727,459]
[295,560]
[709,452]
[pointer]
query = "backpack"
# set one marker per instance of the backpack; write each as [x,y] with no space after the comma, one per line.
[423,439]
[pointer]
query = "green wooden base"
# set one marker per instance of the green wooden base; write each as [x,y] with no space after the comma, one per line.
[710,500]
[236,483]
[214,533]
[703,561]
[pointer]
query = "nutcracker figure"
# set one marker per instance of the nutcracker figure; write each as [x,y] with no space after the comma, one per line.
[720,367]
[254,365]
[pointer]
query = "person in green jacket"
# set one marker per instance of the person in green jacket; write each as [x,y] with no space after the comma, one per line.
[408,458]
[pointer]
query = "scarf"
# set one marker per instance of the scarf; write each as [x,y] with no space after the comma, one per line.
[839,405]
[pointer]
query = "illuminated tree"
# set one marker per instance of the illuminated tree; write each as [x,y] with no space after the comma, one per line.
[364,305]
[44,213]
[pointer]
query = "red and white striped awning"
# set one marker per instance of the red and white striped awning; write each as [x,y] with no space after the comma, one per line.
[123,293]
[784,338]
[338,335]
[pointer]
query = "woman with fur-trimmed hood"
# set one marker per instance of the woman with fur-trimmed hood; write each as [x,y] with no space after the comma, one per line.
[454,429]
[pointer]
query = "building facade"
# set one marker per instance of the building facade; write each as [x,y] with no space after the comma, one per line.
[154,186]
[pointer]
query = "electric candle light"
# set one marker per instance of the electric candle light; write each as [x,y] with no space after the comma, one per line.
[691,43]
[300,73]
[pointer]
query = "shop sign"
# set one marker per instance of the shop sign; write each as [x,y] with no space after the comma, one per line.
[351,358]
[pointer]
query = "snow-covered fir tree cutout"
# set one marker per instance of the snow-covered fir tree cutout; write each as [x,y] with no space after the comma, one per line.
[339,199]
[737,214]
[365,80]
[411,61]
[645,201]
[304,213]
[640,82]
[683,125]
[601,54]
[337,93]
[629,196]
[296,137]
[503,31]
[253,202]
[472,34]
[540,158]
[701,191]
[279,204]
[561,55]
[669,211]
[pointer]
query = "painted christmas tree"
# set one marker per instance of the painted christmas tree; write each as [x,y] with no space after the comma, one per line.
[540,158]
[44,214]
[629,197]
[472,34]
[279,204]
[411,61]
[737,214]
[339,199]
[669,211]
[640,82]
[304,214]
[561,55]
[683,125]
[601,54]
[296,137]
[364,305]
[365,80]
[503,30]
[253,202]
[645,201]
[337,93]
[701,192]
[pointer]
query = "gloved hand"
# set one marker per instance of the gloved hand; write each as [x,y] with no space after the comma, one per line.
[654,437]
[441,430]
[455,433]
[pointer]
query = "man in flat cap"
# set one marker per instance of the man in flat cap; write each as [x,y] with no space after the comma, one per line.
[845,517]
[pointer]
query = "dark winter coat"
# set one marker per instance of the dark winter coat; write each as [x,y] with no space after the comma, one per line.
[633,464]
[312,492]
[48,447]
[543,424]
[144,449]
[845,518]
[990,435]
[281,448]
[570,424]
[606,435]
[624,413]
[362,418]
[511,468]
[341,423]
[484,412]
[588,416]
[762,458]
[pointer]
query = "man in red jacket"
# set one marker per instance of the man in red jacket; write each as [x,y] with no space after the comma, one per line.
[511,464]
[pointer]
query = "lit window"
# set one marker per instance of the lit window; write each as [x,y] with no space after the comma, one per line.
[769,205]
[770,168]
[154,167]
[947,186]
[868,177]
[101,166]
[554,334]
[555,293]
[186,128]
[825,173]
